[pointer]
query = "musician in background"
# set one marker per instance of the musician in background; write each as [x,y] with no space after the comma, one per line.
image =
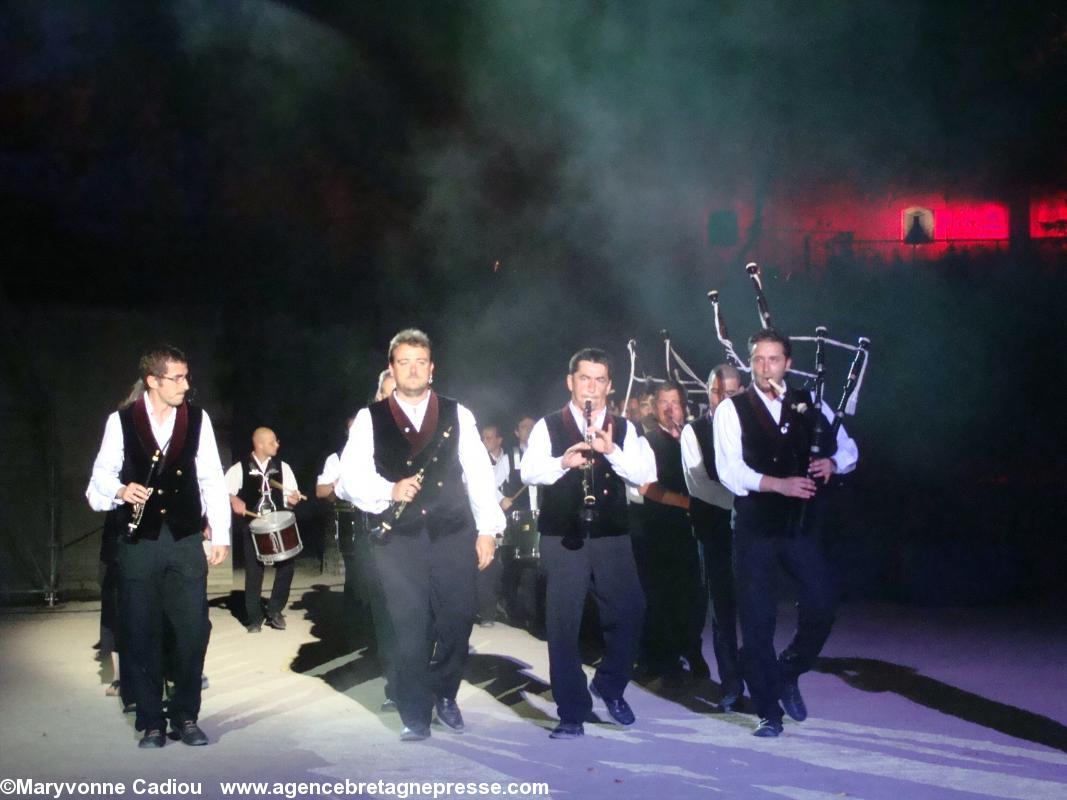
[667,554]
[593,554]
[162,565]
[248,483]
[763,442]
[489,580]
[418,453]
[710,507]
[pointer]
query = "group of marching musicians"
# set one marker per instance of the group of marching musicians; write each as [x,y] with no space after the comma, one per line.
[646,520]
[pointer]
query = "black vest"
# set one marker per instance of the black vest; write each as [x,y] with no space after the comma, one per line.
[400,452]
[670,476]
[513,486]
[780,450]
[706,516]
[561,501]
[176,498]
[252,484]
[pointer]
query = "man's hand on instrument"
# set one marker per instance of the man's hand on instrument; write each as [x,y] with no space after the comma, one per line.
[602,441]
[505,504]
[238,505]
[822,468]
[574,457]
[218,554]
[485,547]
[293,497]
[405,489]
[800,486]
[133,493]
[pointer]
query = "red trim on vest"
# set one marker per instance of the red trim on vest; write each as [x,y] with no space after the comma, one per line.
[143,427]
[177,439]
[417,439]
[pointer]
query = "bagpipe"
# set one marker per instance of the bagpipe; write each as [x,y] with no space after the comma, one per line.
[679,371]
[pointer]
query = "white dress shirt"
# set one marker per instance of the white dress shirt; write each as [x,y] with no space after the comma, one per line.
[235,478]
[501,472]
[632,462]
[331,471]
[697,480]
[517,454]
[739,477]
[361,484]
[105,484]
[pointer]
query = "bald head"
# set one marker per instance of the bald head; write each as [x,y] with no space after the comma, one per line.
[264,443]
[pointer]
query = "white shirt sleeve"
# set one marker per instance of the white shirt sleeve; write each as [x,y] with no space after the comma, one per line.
[331,471]
[359,482]
[214,497]
[478,473]
[737,476]
[235,476]
[538,467]
[634,462]
[697,480]
[104,483]
[847,451]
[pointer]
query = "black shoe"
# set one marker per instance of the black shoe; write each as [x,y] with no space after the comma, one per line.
[768,728]
[190,733]
[414,734]
[153,738]
[618,708]
[792,702]
[567,730]
[732,692]
[254,627]
[276,620]
[388,705]
[448,714]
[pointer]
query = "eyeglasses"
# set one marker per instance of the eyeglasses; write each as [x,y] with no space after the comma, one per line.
[176,378]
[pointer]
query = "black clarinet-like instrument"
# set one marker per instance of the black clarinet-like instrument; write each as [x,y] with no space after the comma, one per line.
[387,519]
[587,513]
[138,508]
[752,268]
[819,434]
[863,348]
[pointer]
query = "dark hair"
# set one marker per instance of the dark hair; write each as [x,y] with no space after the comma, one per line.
[592,354]
[722,372]
[770,335]
[409,336]
[154,361]
[670,386]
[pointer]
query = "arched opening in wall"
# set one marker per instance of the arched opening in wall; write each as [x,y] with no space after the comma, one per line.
[917,225]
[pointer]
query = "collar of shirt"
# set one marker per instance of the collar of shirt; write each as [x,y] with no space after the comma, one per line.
[415,413]
[261,464]
[774,406]
[579,417]
[163,429]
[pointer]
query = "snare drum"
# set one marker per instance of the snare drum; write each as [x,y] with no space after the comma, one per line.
[276,537]
[523,536]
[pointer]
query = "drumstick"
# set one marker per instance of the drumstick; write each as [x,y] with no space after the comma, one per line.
[252,514]
[512,498]
[277,485]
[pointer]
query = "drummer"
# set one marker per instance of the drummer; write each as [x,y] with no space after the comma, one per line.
[250,483]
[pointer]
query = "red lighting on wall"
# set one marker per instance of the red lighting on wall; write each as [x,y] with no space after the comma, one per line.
[1048,217]
[961,221]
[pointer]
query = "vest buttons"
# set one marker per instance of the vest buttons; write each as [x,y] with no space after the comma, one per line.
[408,462]
[162,511]
[179,472]
[424,512]
[440,483]
[160,491]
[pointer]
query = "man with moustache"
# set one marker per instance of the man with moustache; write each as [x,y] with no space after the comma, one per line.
[667,554]
[248,483]
[762,454]
[428,557]
[585,546]
[159,458]
[710,507]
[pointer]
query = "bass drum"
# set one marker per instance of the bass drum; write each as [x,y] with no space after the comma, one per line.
[521,538]
[276,537]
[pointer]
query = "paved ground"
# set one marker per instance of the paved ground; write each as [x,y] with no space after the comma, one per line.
[907,704]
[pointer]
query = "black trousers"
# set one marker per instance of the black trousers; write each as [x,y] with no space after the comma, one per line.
[606,568]
[757,559]
[489,584]
[668,562]
[715,537]
[363,595]
[163,581]
[428,585]
[279,593]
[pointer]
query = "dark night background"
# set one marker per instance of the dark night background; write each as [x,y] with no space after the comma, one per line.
[278,187]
